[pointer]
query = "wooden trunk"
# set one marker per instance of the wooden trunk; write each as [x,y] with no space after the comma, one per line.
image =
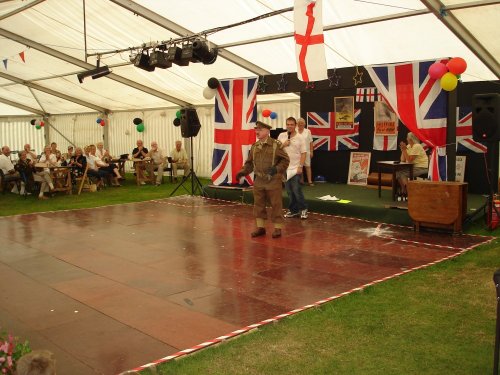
[437,204]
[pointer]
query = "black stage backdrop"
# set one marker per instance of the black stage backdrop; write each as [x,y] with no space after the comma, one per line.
[334,165]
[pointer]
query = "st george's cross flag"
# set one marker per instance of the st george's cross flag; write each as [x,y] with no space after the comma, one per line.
[385,142]
[419,102]
[327,138]
[465,143]
[235,117]
[309,40]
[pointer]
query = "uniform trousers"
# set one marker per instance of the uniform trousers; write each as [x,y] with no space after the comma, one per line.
[268,192]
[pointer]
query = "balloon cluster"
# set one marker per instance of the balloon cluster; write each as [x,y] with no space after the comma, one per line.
[100,121]
[269,113]
[211,89]
[139,124]
[448,73]
[37,123]
[177,119]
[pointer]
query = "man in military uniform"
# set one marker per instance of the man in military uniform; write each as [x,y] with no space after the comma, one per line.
[269,162]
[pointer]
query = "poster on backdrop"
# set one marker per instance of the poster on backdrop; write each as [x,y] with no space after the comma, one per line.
[385,120]
[359,168]
[460,168]
[343,106]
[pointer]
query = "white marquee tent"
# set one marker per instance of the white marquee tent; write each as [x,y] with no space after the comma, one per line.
[56,37]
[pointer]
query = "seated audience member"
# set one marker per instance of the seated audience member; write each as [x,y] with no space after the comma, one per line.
[141,152]
[10,174]
[53,147]
[59,159]
[41,175]
[413,152]
[67,155]
[79,162]
[103,154]
[103,166]
[37,362]
[48,157]
[159,160]
[179,160]
[26,168]
[31,155]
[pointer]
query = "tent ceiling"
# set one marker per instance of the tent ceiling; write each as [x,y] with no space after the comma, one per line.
[51,35]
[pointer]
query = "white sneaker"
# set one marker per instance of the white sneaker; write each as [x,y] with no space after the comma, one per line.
[143,183]
[303,214]
[289,214]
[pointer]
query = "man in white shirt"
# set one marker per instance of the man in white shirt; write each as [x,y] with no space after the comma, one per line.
[30,154]
[295,146]
[179,160]
[306,133]
[10,174]
[159,160]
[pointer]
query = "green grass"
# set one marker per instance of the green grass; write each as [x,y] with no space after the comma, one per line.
[11,204]
[438,320]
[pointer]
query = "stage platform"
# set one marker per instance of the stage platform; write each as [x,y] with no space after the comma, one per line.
[113,288]
[364,201]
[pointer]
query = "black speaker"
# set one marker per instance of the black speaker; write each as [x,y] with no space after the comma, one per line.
[486,117]
[190,124]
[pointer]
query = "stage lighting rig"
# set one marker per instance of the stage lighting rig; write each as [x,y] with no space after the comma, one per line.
[142,61]
[203,53]
[98,72]
[159,58]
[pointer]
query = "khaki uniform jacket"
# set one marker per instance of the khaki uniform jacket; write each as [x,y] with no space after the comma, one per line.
[264,155]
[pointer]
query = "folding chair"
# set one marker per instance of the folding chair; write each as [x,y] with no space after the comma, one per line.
[83,181]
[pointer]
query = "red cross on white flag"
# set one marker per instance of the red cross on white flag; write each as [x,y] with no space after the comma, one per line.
[309,40]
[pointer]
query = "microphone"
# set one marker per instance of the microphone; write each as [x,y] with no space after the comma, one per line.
[289,134]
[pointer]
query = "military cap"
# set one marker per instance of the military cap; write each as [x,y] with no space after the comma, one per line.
[260,124]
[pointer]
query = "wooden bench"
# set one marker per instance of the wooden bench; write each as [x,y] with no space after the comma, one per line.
[386,180]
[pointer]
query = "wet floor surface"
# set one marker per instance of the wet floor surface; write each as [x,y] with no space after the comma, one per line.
[113,288]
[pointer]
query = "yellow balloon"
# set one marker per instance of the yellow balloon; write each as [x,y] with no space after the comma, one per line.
[449,81]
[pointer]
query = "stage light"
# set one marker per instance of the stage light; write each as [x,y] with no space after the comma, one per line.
[174,54]
[98,72]
[203,53]
[159,59]
[142,61]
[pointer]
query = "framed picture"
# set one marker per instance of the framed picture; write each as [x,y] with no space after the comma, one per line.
[385,120]
[343,106]
[359,168]
[460,168]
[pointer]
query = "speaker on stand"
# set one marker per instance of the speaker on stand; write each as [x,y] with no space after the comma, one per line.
[190,126]
[486,129]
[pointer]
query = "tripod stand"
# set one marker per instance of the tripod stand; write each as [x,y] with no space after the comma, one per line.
[195,182]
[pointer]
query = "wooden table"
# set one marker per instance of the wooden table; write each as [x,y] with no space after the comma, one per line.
[61,177]
[394,166]
[120,163]
[147,165]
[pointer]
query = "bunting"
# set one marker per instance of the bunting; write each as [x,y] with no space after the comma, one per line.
[6,59]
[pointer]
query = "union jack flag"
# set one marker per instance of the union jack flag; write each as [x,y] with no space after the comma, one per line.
[235,117]
[419,102]
[326,137]
[464,132]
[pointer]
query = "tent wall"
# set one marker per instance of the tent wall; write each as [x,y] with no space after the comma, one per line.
[82,129]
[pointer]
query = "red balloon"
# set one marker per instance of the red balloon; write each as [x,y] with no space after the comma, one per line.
[456,65]
[437,70]
[42,123]
[102,123]
[266,112]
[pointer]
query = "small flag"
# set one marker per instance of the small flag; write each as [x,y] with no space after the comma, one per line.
[21,55]
[5,63]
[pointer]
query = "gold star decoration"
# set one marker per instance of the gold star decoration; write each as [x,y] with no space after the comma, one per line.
[358,77]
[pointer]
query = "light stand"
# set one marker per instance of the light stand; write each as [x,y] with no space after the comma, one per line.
[192,176]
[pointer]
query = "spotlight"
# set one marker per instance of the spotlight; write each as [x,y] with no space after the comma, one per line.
[203,53]
[142,61]
[175,55]
[98,72]
[159,59]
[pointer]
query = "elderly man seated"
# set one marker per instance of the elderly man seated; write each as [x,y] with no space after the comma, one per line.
[159,160]
[9,173]
[141,152]
[179,160]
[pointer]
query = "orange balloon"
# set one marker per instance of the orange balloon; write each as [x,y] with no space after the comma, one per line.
[456,65]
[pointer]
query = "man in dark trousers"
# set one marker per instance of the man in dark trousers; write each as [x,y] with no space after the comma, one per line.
[269,162]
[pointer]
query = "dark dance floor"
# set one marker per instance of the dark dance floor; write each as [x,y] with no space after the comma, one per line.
[113,288]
